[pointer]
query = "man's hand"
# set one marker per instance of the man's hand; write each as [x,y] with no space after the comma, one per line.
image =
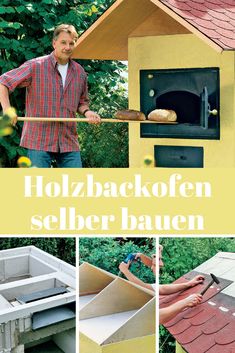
[172,310]
[123,267]
[192,300]
[196,280]
[93,118]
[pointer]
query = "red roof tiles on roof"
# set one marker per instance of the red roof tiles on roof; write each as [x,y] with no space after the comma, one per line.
[208,327]
[208,15]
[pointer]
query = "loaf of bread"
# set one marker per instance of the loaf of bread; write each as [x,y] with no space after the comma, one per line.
[130,114]
[162,115]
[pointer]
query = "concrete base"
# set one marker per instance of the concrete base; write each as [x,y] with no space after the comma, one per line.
[18,349]
[48,347]
[66,341]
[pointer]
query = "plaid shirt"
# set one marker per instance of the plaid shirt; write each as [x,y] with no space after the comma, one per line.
[46,97]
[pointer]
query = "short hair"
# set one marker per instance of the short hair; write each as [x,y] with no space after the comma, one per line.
[67,29]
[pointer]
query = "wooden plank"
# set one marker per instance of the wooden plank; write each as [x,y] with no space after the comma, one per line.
[85,299]
[140,324]
[157,24]
[89,293]
[93,279]
[110,32]
[85,120]
[119,296]
[100,328]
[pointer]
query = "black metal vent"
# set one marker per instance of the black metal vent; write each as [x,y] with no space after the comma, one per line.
[192,93]
[178,156]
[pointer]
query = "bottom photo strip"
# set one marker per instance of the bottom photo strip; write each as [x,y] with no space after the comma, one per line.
[97,294]
[37,295]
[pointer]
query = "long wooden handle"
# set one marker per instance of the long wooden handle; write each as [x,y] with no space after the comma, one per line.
[85,120]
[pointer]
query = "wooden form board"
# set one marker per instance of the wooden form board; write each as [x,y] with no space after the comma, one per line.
[118,297]
[121,326]
[110,32]
[131,18]
[85,299]
[121,314]
[142,323]
[93,279]
[101,328]
[158,23]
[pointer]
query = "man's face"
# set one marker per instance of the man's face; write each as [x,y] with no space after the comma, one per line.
[161,264]
[64,46]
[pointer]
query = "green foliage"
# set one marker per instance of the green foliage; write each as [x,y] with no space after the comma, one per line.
[10,149]
[63,248]
[181,255]
[26,32]
[108,253]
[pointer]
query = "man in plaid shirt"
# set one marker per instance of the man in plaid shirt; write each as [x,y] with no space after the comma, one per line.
[56,86]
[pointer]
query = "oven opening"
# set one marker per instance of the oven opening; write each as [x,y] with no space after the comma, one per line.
[192,93]
[185,104]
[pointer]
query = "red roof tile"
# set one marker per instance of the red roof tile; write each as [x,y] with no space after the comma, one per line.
[219,349]
[210,325]
[208,15]
[203,343]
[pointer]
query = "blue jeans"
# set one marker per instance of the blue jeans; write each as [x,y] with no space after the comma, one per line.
[42,159]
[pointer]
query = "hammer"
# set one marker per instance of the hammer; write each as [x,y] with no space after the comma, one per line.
[214,279]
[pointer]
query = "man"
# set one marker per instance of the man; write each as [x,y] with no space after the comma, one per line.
[147,261]
[171,311]
[56,86]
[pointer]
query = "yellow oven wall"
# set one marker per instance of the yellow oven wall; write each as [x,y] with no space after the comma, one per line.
[179,349]
[144,344]
[183,51]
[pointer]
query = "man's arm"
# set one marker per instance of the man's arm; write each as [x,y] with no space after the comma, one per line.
[145,259]
[124,268]
[83,108]
[168,313]
[6,105]
[19,77]
[4,97]
[165,289]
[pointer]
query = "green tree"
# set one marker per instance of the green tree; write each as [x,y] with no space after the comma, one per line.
[107,253]
[26,29]
[63,248]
